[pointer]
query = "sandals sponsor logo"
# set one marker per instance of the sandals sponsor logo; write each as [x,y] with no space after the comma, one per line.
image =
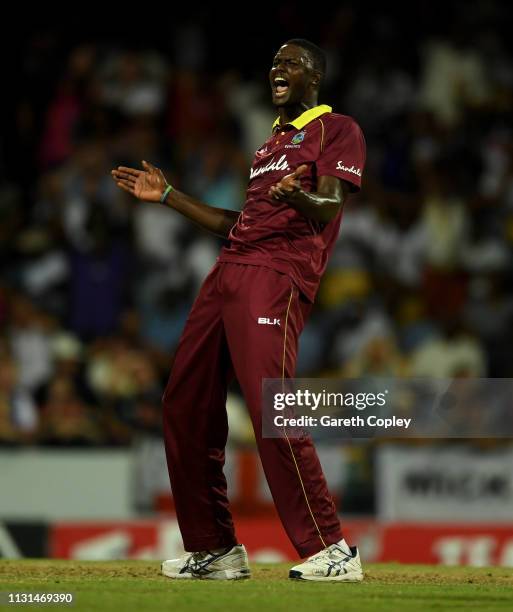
[351,169]
[281,164]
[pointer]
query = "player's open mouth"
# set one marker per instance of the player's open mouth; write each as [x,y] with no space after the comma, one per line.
[281,86]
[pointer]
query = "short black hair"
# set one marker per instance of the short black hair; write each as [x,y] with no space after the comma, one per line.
[317,54]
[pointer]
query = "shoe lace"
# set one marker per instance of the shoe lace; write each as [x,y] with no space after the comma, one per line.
[186,558]
[190,559]
[329,555]
[199,560]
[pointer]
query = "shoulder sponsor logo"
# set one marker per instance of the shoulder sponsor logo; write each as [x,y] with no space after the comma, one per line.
[351,169]
[281,164]
[267,321]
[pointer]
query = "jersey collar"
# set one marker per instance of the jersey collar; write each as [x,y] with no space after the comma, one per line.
[306,117]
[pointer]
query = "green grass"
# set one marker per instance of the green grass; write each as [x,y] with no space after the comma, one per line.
[127,586]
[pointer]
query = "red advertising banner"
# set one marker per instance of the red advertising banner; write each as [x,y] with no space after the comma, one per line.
[477,545]
[265,540]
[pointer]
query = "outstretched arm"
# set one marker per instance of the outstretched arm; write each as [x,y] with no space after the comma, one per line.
[149,185]
[322,205]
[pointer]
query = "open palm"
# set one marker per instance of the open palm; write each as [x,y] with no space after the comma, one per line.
[147,184]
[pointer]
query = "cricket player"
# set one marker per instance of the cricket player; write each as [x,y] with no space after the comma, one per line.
[246,322]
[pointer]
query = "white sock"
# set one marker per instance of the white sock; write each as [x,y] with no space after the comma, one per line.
[345,547]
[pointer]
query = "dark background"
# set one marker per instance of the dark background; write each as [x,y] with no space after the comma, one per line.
[95,288]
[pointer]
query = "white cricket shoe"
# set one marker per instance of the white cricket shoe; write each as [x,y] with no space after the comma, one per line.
[178,568]
[230,564]
[332,564]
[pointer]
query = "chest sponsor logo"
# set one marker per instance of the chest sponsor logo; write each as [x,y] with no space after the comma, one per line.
[267,321]
[299,137]
[351,169]
[281,164]
[296,141]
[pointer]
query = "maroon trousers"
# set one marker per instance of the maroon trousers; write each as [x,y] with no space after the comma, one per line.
[224,338]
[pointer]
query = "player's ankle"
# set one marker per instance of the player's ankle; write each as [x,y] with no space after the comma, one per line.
[219,551]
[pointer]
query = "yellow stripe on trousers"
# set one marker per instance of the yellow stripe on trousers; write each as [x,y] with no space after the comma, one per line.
[284,430]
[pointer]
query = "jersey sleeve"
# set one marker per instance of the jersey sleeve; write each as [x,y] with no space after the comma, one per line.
[343,152]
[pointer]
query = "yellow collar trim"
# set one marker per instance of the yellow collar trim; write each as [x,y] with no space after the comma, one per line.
[307,116]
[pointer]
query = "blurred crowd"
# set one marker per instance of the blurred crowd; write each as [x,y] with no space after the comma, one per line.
[95,287]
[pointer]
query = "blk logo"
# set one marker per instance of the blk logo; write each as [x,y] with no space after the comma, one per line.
[266,321]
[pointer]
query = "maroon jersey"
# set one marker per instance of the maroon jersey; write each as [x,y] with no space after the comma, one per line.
[273,234]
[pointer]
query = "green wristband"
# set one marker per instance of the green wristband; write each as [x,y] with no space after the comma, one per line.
[164,195]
